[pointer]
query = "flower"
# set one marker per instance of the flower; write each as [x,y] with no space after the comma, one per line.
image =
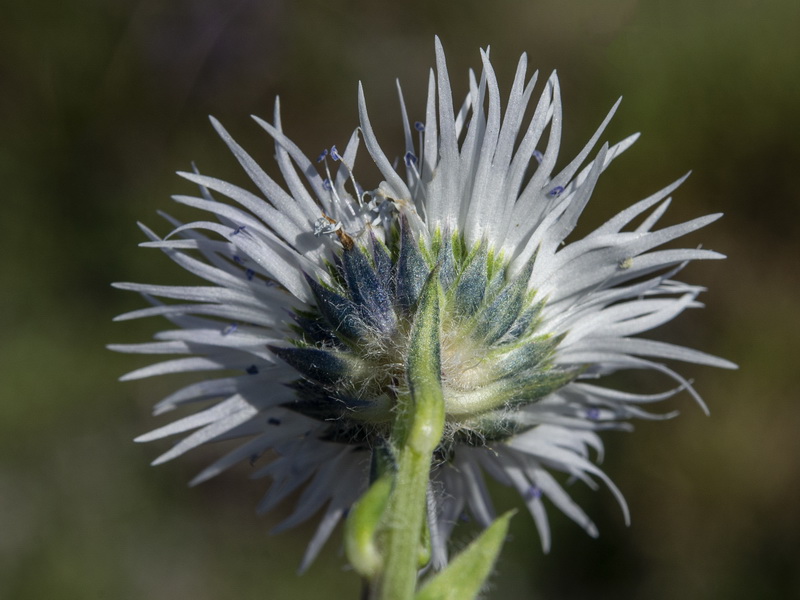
[311,291]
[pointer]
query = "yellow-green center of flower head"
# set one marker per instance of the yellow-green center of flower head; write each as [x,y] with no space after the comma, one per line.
[352,350]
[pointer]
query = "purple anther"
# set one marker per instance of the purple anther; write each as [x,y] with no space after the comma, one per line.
[273,421]
[322,155]
[419,126]
[410,159]
[230,329]
[326,183]
[335,153]
[593,413]
[252,370]
[556,191]
[538,156]
[249,274]
[533,492]
[239,229]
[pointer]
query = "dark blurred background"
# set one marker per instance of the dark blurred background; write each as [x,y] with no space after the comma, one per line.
[100,102]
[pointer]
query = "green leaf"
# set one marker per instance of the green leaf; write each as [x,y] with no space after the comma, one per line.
[467,573]
[423,370]
[361,528]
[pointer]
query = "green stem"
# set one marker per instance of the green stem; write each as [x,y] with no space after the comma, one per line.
[407,512]
[418,432]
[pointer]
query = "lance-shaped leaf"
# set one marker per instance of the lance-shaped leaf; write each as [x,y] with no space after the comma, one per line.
[361,528]
[424,371]
[466,574]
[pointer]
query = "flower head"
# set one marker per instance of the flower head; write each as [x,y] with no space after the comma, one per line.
[312,287]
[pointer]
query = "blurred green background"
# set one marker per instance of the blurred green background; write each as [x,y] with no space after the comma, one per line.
[100,102]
